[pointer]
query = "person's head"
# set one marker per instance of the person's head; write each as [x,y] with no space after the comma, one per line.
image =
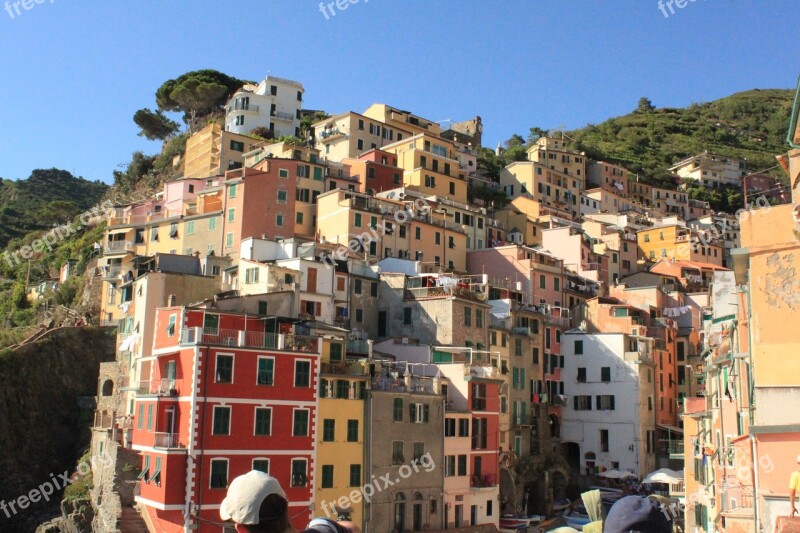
[638,515]
[256,503]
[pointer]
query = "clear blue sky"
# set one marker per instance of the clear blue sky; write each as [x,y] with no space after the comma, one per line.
[73,73]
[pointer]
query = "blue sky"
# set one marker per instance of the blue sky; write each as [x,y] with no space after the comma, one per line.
[73,73]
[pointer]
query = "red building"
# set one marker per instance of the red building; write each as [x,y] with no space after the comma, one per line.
[376,171]
[221,396]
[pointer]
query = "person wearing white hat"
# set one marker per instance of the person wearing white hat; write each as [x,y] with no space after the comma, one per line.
[256,503]
[794,486]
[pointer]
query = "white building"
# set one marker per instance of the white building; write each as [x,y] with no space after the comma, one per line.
[609,420]
[712,170]
[275,104]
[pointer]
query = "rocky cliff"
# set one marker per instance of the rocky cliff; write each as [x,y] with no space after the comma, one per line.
[45,417]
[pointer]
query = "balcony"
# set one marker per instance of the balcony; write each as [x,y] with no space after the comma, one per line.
[358,346]
[158,387]
[253,108]
[523,331]
[639,357]
[166,440]
[280,115]
[673,448]
[559,321]
[483,482]
[116,247]
[112,272]
[250,339]
[330,133]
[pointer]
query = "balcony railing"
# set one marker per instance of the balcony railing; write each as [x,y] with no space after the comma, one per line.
[103,420]
[486,481]
[118,246]
[359,346]
[251,339]
[158,387]
[166,440]
[280,115]
[672,447]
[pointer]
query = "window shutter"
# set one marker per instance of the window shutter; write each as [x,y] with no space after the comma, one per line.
[575,398]
[412,411]
[612,402]
[425,412]
[599,405]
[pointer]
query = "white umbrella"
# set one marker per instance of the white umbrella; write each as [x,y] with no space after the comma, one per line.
[626,474]
[663,475]
[611,474]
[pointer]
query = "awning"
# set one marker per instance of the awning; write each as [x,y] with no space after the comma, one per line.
[119,231]
[156,472]
[673,429]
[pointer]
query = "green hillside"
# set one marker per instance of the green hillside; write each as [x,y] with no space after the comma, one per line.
[47,197]
[748,125]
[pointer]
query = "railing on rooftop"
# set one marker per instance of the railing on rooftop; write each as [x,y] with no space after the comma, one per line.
[251,339]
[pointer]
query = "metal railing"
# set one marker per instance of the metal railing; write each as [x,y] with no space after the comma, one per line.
[117,246]
[250,339]
[166,440]
[672,447]
[280,115]
[157,387]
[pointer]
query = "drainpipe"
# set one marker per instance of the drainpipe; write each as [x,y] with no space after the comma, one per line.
[750,409]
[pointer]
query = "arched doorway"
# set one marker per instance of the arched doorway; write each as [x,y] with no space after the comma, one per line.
[108,388]
[572,454]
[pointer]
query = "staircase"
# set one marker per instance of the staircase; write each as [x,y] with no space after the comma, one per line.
[131,521]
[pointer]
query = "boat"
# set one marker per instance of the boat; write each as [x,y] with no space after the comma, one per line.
[560,505]
[514,522]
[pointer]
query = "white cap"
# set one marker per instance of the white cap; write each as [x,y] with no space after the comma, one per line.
[245,496]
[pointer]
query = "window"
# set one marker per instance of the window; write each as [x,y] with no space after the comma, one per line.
[299,473]
[419,450]
[251,276]
[279,220]
[355,476]
[232,191]
[299,218]
[605,402]
[224,373]
[450,427]
[407,316]
[282,197]
[437,238]
[150,417]
[605,374]
[603,440]
[302,373]
[397,452]
[542,281]
[578,348]
[582,375]
[479,318]
[262,465]
[450,466]
[468,316]
[229,239]
[556,284]
[140,421]
[357,220]
[190,227]
[397,414]
[219,473]
[221,424]
[357,286]
[373,289]
[462,465]
[463,427]
[171,325]
[300,423]
[266,371]
[327,476]
[352,431]
[582,403]
[263,424]
[231,214]
[417,233]
[328,430]
[237,146]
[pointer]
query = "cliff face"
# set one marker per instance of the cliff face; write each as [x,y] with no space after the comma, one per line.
[44,428]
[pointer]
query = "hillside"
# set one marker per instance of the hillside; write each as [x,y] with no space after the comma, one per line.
[47,197]
[750,124]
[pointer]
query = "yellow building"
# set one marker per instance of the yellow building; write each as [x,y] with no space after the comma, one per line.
[677,243]
[212,151]
[430,166]
[380,228]
[523,213]
[402,120]
[340,434]
[550,187]
[350,134]
[553,154]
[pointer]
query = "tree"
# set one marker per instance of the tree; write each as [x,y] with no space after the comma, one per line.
[308,120]
[515,140]
[645,105]
[197,94]
[262,132]
[536,134]
[155,125]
